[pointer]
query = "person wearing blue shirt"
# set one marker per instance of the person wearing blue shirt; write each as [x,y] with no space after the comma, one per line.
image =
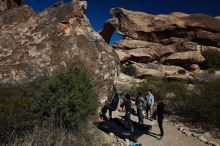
[110,107]
[149,104]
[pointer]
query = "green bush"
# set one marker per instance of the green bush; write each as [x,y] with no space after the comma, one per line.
[201,104]
[66,99]
[182,71]
[57,108]
[129,70]
[15,113]
[211,99]
[211,71]
[212,58]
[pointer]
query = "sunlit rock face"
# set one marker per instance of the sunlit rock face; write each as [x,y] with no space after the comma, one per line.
[34,45]
[179,41]
[199,28]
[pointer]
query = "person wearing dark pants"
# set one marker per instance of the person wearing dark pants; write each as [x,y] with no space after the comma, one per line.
[127,104]
[111,107]
[160,116]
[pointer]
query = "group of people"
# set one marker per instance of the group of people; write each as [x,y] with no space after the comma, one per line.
[143,103]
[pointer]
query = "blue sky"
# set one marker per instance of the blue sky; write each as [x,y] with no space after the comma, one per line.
[98,10]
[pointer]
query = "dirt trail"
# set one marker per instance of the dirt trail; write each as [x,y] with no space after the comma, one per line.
[172,137]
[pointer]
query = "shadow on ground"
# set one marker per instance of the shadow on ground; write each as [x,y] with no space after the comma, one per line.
[116,126]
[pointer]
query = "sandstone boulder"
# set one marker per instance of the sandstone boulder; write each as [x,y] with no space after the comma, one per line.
[158,70]
[137,55]
[141,51]
[125,83]
[209,48]
[185,58]
[195,68]
[179,77]
[182,45]
[122,55]
[57,37]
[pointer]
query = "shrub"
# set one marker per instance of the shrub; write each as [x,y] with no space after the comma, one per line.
[129,70]
[182,71]
[200,104]
[56,109]
[211,99]
[211,71]
[212,58]
[15,113]
[66,99]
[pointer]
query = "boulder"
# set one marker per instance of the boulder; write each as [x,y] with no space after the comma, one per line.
[179,77]
[137,55]
[122,55]
[55,38]
[195,68]
[141,51]
[158,70]
[182,45]
[128,44]
[125,83]
[199,28]
[184,58]
[209,48]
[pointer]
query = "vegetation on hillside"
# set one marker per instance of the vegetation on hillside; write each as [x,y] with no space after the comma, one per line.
[212,58]
[56,111]
[129,70]
[198,103]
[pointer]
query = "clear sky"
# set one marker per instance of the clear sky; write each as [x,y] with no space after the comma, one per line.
[98,10]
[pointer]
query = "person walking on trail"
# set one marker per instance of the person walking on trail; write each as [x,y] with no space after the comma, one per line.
[150,102]
[110,106]
[160,116]
[127,104]
[140,103]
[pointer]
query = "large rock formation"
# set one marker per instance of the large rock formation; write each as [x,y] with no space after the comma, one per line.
[147,27]
[34,45]
[176,39]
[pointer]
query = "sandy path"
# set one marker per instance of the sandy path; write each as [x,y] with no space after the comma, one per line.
[172,136]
